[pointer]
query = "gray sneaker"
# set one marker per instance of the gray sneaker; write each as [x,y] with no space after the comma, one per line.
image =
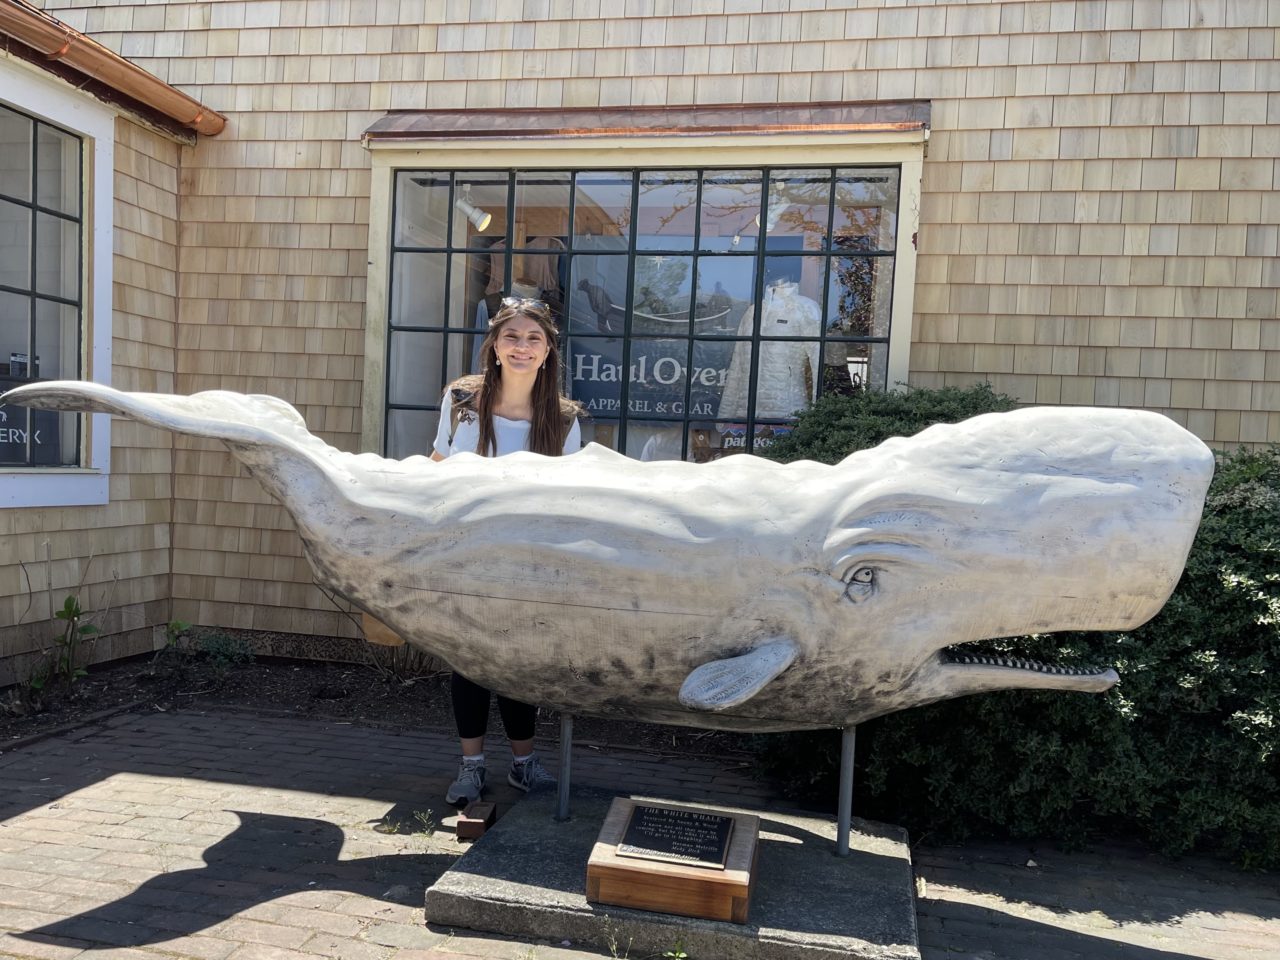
[531,776]
[468,786]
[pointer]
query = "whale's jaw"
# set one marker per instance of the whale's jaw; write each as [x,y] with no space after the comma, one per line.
[977,672]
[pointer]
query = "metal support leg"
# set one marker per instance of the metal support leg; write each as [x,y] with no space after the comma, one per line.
[844,814]
[566,748]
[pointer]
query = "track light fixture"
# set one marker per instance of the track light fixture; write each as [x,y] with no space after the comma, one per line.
[777,207]
[480,218]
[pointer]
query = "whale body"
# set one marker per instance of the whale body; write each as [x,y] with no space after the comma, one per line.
[740,594]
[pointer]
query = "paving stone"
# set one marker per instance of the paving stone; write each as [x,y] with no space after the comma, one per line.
[159,792]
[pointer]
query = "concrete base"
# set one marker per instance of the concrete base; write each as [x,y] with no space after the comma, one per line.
[527,875]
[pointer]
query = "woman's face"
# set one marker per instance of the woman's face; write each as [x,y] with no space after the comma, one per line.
[521,345]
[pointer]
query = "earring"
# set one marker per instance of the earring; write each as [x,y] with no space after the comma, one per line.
[497,361]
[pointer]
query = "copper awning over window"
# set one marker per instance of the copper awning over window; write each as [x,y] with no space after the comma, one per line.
[757,118]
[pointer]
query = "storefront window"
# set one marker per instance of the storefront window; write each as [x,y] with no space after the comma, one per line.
[698,309]
[40,269]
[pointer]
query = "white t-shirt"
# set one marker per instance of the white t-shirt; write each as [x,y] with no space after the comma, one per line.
[512,436]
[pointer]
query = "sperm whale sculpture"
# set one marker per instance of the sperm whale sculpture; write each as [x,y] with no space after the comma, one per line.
[741,594]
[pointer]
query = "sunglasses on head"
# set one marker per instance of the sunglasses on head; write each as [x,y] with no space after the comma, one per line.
[525,303]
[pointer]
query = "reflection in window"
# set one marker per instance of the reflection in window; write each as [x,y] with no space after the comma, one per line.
[682,337]
[40,297]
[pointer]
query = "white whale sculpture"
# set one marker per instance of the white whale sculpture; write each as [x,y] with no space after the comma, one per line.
[741,594]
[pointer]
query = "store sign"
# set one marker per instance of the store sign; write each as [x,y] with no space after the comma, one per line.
[18,423]
[658,372]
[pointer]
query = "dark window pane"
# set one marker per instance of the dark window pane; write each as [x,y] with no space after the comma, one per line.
[13,435]
[57,256]
[866,208]
[15,245]
[57,346]
[414,367]
[730,210]
[422,210]
[602,210]
[411,432]
[661,300]
[709,376]
[798,209]
[726,290]
[15,332]
[848,367]
[15,155]
[666,210]
[658,376]
[418,289]
[860,302]
[542,206]
[595,374]
[598,293]
[57,170]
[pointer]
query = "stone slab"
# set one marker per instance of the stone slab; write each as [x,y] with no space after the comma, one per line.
[526,877]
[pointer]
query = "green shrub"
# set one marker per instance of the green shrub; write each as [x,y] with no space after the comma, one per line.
[835,426]
[1183,754]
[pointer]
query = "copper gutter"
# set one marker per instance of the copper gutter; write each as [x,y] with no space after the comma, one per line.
[58,42]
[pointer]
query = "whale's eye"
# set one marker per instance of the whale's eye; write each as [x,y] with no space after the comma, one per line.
[861,584]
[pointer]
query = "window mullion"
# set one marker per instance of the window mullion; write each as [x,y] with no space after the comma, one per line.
[624,413]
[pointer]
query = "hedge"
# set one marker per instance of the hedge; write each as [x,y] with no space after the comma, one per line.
[1184,753]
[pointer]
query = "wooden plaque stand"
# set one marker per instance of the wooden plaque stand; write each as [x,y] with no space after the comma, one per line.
[679,888]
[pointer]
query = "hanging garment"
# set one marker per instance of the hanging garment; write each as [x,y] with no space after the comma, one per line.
[788,369]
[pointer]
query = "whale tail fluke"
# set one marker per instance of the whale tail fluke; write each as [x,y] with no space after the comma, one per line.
[264,433]
[215,414]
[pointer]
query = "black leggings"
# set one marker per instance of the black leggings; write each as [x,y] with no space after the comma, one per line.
[471,711]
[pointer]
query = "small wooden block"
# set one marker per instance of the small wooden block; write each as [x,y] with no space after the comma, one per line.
[476,819]
[677,888]
[375,631]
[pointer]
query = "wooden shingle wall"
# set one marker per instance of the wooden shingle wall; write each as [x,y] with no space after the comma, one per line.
[115,556]
[1100,218]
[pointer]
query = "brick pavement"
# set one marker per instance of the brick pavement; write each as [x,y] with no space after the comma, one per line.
[237,835]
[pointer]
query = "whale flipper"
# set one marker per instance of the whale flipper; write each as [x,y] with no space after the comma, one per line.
[722,684]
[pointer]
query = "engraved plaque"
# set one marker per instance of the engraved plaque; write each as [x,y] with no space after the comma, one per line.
[691,837]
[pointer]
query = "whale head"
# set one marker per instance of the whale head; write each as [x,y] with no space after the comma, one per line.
[740,594]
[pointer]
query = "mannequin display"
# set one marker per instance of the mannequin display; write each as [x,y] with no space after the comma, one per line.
[788,369]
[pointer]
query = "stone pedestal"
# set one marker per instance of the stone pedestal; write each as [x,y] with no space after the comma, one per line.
[526,877]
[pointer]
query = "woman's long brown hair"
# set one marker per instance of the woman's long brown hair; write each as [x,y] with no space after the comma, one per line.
[553,413]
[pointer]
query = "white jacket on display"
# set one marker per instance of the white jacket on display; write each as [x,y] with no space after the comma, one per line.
[788,370]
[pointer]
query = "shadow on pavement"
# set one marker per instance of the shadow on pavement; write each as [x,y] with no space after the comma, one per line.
[264,858]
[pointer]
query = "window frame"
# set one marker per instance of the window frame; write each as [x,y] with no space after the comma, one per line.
[29,91]
[901,148]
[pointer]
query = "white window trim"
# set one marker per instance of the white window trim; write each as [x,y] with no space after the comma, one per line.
[32,91]
[903,148]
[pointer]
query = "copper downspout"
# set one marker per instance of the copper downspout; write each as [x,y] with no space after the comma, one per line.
[59,42]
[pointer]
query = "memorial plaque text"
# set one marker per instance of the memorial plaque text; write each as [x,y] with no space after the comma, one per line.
[692,837]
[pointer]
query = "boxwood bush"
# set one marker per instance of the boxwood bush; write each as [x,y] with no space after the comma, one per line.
[1183,754]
